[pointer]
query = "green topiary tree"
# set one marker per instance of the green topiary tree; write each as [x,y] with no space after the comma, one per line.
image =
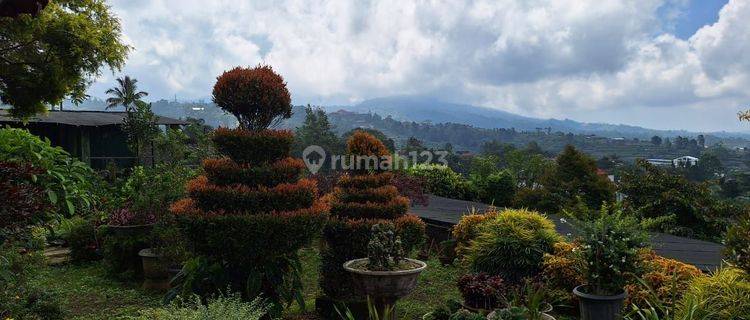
[361,200]
[512,245]
[249,214]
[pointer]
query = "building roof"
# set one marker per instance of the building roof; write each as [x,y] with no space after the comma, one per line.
[84,118]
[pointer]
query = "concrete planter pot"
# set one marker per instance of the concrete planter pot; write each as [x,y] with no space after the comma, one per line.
[385,287]
[155,270]
[597,307]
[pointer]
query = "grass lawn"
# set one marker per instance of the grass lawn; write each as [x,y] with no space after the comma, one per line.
[87,293]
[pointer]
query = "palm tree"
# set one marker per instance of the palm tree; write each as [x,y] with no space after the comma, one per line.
[126,95]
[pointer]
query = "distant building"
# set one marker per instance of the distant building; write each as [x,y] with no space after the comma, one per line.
[685,161]
[94,137]
[661,162]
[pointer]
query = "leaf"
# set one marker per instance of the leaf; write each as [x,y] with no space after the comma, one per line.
[71,207]
[52,196]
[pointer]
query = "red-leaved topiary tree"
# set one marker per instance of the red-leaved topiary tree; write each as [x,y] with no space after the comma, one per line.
[249,214]
[258,96]
[360,200]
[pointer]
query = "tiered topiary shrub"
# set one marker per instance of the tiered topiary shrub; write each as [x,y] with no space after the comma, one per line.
[249,214]
[360,200]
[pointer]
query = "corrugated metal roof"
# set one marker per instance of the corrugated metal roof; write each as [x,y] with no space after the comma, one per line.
[84,118]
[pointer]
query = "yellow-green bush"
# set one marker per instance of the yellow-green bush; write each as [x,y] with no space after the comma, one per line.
[724,295]
[512,244]
[468,229]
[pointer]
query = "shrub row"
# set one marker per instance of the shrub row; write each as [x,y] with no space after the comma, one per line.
[380,194]
[238,197]
[224,171]
[253,147]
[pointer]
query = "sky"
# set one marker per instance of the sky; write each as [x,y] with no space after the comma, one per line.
[663,64]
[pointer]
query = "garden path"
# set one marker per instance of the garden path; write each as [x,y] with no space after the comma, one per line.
[702,254]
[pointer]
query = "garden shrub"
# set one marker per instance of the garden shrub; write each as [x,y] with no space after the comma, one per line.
[468,228]
[70,184]
[512,245]
[229,307]
[482,291]
[244,236]
[724,295]
[360,200]
[564,269]
[441,181]
[150,191]
[23,201]
[83,239]
[737,242]
[664,279]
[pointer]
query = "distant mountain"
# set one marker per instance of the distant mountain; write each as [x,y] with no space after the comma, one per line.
[426,109]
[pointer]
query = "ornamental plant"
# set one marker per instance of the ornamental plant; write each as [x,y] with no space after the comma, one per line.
[245,219]
[384,251]
[23,202]
[258,96]
[482,291]
[360,200]
[737,243]
[610,242]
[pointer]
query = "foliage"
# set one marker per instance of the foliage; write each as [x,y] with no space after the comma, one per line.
[411,229]
[662,278]
[655,193]
[564,268]
[384,250]
[441,181]
[737,242]
[120,250]
[223,307]
[610,242]
[498,188]
[540,199]
[482,291]
[150,190]
[464,314]
[140,127]
[23,202]
[246,235]
[126,95]
[258,96]
[69,183]
[83,240]
[57,53]
[19,299]
[468,229]
[575,177]
[128,217]
[726,294]
[317,130]
[411,187]
[512,245]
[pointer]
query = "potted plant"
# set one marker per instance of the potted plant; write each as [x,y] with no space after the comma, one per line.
[385,275]
[126,222]
[482,292]
[127,232]
[610,241]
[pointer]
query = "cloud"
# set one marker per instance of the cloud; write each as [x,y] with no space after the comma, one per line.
[552,58]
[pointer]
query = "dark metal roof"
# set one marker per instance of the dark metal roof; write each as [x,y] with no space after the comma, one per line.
[84,118]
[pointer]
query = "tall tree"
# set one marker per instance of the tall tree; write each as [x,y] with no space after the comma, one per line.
[54,55]
[576,176]
[126,94]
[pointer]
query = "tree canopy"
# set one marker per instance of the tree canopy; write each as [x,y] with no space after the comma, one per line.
[54,55]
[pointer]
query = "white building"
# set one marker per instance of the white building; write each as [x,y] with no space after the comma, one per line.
[661,162]
[685,161]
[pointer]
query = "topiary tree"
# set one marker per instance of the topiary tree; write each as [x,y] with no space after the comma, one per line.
[249,214]
[258,96]
[360,200]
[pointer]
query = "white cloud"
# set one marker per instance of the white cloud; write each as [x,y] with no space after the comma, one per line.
[556,58]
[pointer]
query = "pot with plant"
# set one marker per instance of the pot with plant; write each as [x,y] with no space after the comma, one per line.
[610,241]
[127,232]
[385,275]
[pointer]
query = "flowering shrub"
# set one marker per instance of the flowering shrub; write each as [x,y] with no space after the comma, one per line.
[482,291]
[512,245]
[256,96]
[127,217]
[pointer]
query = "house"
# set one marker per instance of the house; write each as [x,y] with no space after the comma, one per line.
[661,162]
[685,161]
[95,137]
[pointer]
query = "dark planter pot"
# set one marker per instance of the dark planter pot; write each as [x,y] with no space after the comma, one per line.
[155,270]
[385,287]
[596,307]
